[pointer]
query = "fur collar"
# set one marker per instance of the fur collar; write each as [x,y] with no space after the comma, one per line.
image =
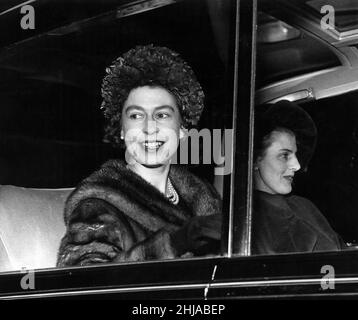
[142,202]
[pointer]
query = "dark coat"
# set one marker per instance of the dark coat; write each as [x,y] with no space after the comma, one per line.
[280,224]
[114,215]
[289,223]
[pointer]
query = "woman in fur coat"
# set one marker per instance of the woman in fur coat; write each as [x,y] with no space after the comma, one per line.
[135,210]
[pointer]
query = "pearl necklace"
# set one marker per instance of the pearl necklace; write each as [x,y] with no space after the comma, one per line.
[171,193]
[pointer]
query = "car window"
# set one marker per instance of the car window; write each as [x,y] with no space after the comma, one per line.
[303,198]
[52,127]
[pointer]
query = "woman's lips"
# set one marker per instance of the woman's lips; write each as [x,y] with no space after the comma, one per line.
[289,178]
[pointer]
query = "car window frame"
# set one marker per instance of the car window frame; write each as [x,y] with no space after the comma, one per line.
[75,281]
[239,238]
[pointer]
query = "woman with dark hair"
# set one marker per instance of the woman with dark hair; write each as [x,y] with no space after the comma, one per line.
[285,138]
[132,210]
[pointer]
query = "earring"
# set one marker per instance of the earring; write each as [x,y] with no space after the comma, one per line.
[183,132]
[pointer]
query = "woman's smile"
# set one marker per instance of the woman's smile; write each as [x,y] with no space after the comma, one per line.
[152,145]
[151,126]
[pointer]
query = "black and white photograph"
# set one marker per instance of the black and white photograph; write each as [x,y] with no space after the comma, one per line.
[176,150]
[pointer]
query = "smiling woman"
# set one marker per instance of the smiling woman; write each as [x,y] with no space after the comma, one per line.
[133,210]
[285,139]
[276,168]
[151,127]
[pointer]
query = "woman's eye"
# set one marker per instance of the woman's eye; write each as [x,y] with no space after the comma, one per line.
[285,156]
[135,116]
[162,115]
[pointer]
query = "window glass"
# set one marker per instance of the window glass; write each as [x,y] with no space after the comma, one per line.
[304,154]
[52,127]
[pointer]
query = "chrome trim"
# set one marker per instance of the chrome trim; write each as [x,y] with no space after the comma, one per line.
[322,295]
[300,95]
[17,6]
[230,235]
[242,223]
[218,285]
[142,6]
[338,90]
[299,78]
[325,83]
[206,290]
[104,291]
[250,168]
[261,283]
[345,35]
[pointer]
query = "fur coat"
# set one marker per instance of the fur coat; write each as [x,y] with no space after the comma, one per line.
[114,215]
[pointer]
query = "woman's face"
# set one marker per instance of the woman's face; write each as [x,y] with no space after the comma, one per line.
[275,169]
[151,126]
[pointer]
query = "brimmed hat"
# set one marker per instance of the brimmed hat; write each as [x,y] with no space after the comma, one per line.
[286,114]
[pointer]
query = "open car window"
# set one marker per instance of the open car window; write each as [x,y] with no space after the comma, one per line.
[52,127]
[303,200]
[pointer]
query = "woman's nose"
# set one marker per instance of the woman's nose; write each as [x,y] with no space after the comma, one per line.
[294,164]
[150,127]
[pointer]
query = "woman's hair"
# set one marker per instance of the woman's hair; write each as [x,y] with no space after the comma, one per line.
[263,140]
[285,116]
[149,66]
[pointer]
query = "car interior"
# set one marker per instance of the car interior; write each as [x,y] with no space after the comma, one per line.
[321,78]
[51,125]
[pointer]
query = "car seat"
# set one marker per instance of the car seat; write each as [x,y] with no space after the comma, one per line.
[31,227]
